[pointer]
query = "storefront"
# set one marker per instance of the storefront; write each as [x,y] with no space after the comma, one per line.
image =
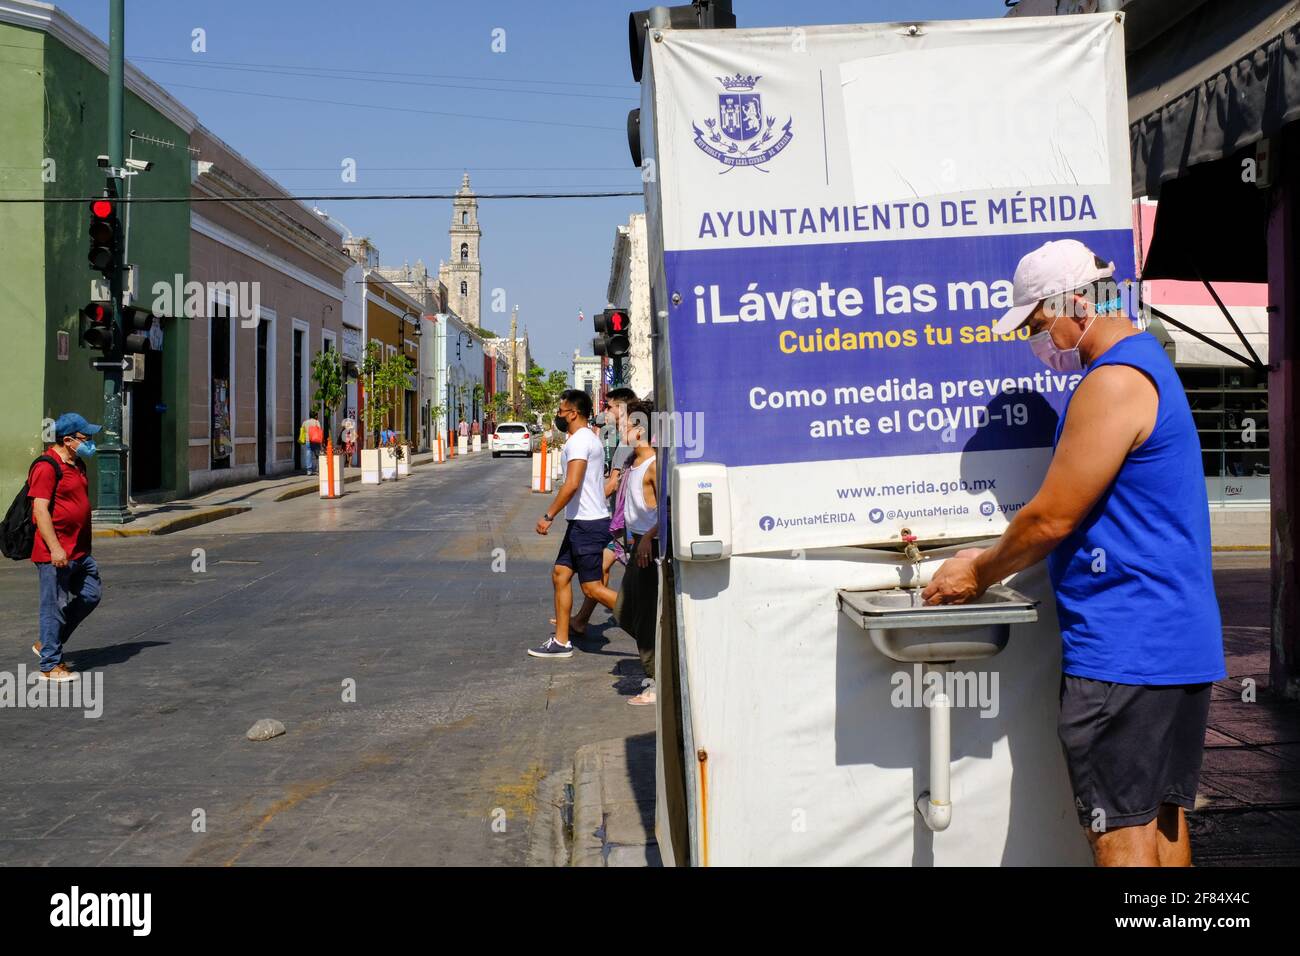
[1228,395]
[352,356]
[1214,105]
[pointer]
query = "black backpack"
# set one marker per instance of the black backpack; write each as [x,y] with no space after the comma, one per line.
[18,532]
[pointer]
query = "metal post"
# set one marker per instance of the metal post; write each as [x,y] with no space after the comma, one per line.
[112,453]
[1283,406]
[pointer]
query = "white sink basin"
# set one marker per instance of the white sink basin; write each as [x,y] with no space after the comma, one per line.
[904,628]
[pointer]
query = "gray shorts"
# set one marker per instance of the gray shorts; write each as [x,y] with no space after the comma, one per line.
[1131,747]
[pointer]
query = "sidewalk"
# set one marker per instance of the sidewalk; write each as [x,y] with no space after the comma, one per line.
[602,806]
[1247,811]
[1248,807]
[610,815]
[170,516]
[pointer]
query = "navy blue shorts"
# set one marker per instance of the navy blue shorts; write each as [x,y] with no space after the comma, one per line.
[583,547]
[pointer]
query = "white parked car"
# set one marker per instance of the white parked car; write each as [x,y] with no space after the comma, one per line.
[510,438]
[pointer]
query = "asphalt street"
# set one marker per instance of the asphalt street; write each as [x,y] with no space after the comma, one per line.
[422,595]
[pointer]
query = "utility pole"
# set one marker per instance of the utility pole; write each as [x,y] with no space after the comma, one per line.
[111,459]
[514,363]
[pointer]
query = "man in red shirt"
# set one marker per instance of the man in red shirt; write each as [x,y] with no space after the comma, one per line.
[69,578]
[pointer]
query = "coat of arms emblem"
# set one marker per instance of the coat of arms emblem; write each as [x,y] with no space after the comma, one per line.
[741,135]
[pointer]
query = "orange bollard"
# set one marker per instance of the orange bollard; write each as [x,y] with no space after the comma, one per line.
[329,467]
[546,472]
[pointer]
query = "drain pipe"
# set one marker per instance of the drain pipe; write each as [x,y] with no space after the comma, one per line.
[935,804]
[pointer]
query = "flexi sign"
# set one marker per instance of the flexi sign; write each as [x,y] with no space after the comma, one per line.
[840,211]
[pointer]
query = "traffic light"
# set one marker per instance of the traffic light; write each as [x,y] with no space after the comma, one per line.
[698,15]
[104,236]
[136,323]
[97,330]
[612,338]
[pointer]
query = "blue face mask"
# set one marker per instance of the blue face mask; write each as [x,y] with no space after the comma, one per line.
[86,449]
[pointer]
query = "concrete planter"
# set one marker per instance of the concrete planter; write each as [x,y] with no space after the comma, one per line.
[388,464]
[323,470]
[462,445]
[476,443]
[371,473]
[404,463]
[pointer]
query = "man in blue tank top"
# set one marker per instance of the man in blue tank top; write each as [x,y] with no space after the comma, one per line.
[1123,522]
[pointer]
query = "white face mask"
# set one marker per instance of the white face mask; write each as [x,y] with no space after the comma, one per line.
[1058,359]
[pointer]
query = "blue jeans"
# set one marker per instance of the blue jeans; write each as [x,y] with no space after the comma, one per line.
[312,450]
[68,595]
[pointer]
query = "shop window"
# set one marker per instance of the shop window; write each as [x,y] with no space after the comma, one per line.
[1230,408]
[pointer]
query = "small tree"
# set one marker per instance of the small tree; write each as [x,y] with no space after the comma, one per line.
[500,405]
[394,377]
[327,373]
[435,417]
[386,379]
[460,391]
[557,383]
[377,399]
[536,397]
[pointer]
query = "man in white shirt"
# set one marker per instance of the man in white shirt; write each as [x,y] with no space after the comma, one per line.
[582,499]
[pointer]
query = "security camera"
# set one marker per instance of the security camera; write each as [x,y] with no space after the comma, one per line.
[102,161]
[139,165]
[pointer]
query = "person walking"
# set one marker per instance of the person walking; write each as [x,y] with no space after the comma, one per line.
[582,498]
[1122,518]
[312,437]
[612,433]
[638,599]
[348,440]
[67,575]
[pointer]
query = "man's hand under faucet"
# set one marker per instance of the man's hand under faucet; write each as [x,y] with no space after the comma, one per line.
[956,581]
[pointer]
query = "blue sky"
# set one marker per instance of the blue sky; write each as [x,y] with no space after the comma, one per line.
[564,71]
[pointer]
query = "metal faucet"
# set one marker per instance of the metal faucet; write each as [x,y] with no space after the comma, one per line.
[912,552]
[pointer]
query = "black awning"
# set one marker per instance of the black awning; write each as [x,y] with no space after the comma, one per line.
[1211,226]
[1220,78]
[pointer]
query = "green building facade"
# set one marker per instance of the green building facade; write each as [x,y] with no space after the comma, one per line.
[53,126]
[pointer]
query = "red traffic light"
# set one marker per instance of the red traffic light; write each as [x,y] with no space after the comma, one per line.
[103,235]
[610,321]
[613,340]
[97,331]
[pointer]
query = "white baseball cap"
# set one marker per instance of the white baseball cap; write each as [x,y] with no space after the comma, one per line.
[1060,265]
